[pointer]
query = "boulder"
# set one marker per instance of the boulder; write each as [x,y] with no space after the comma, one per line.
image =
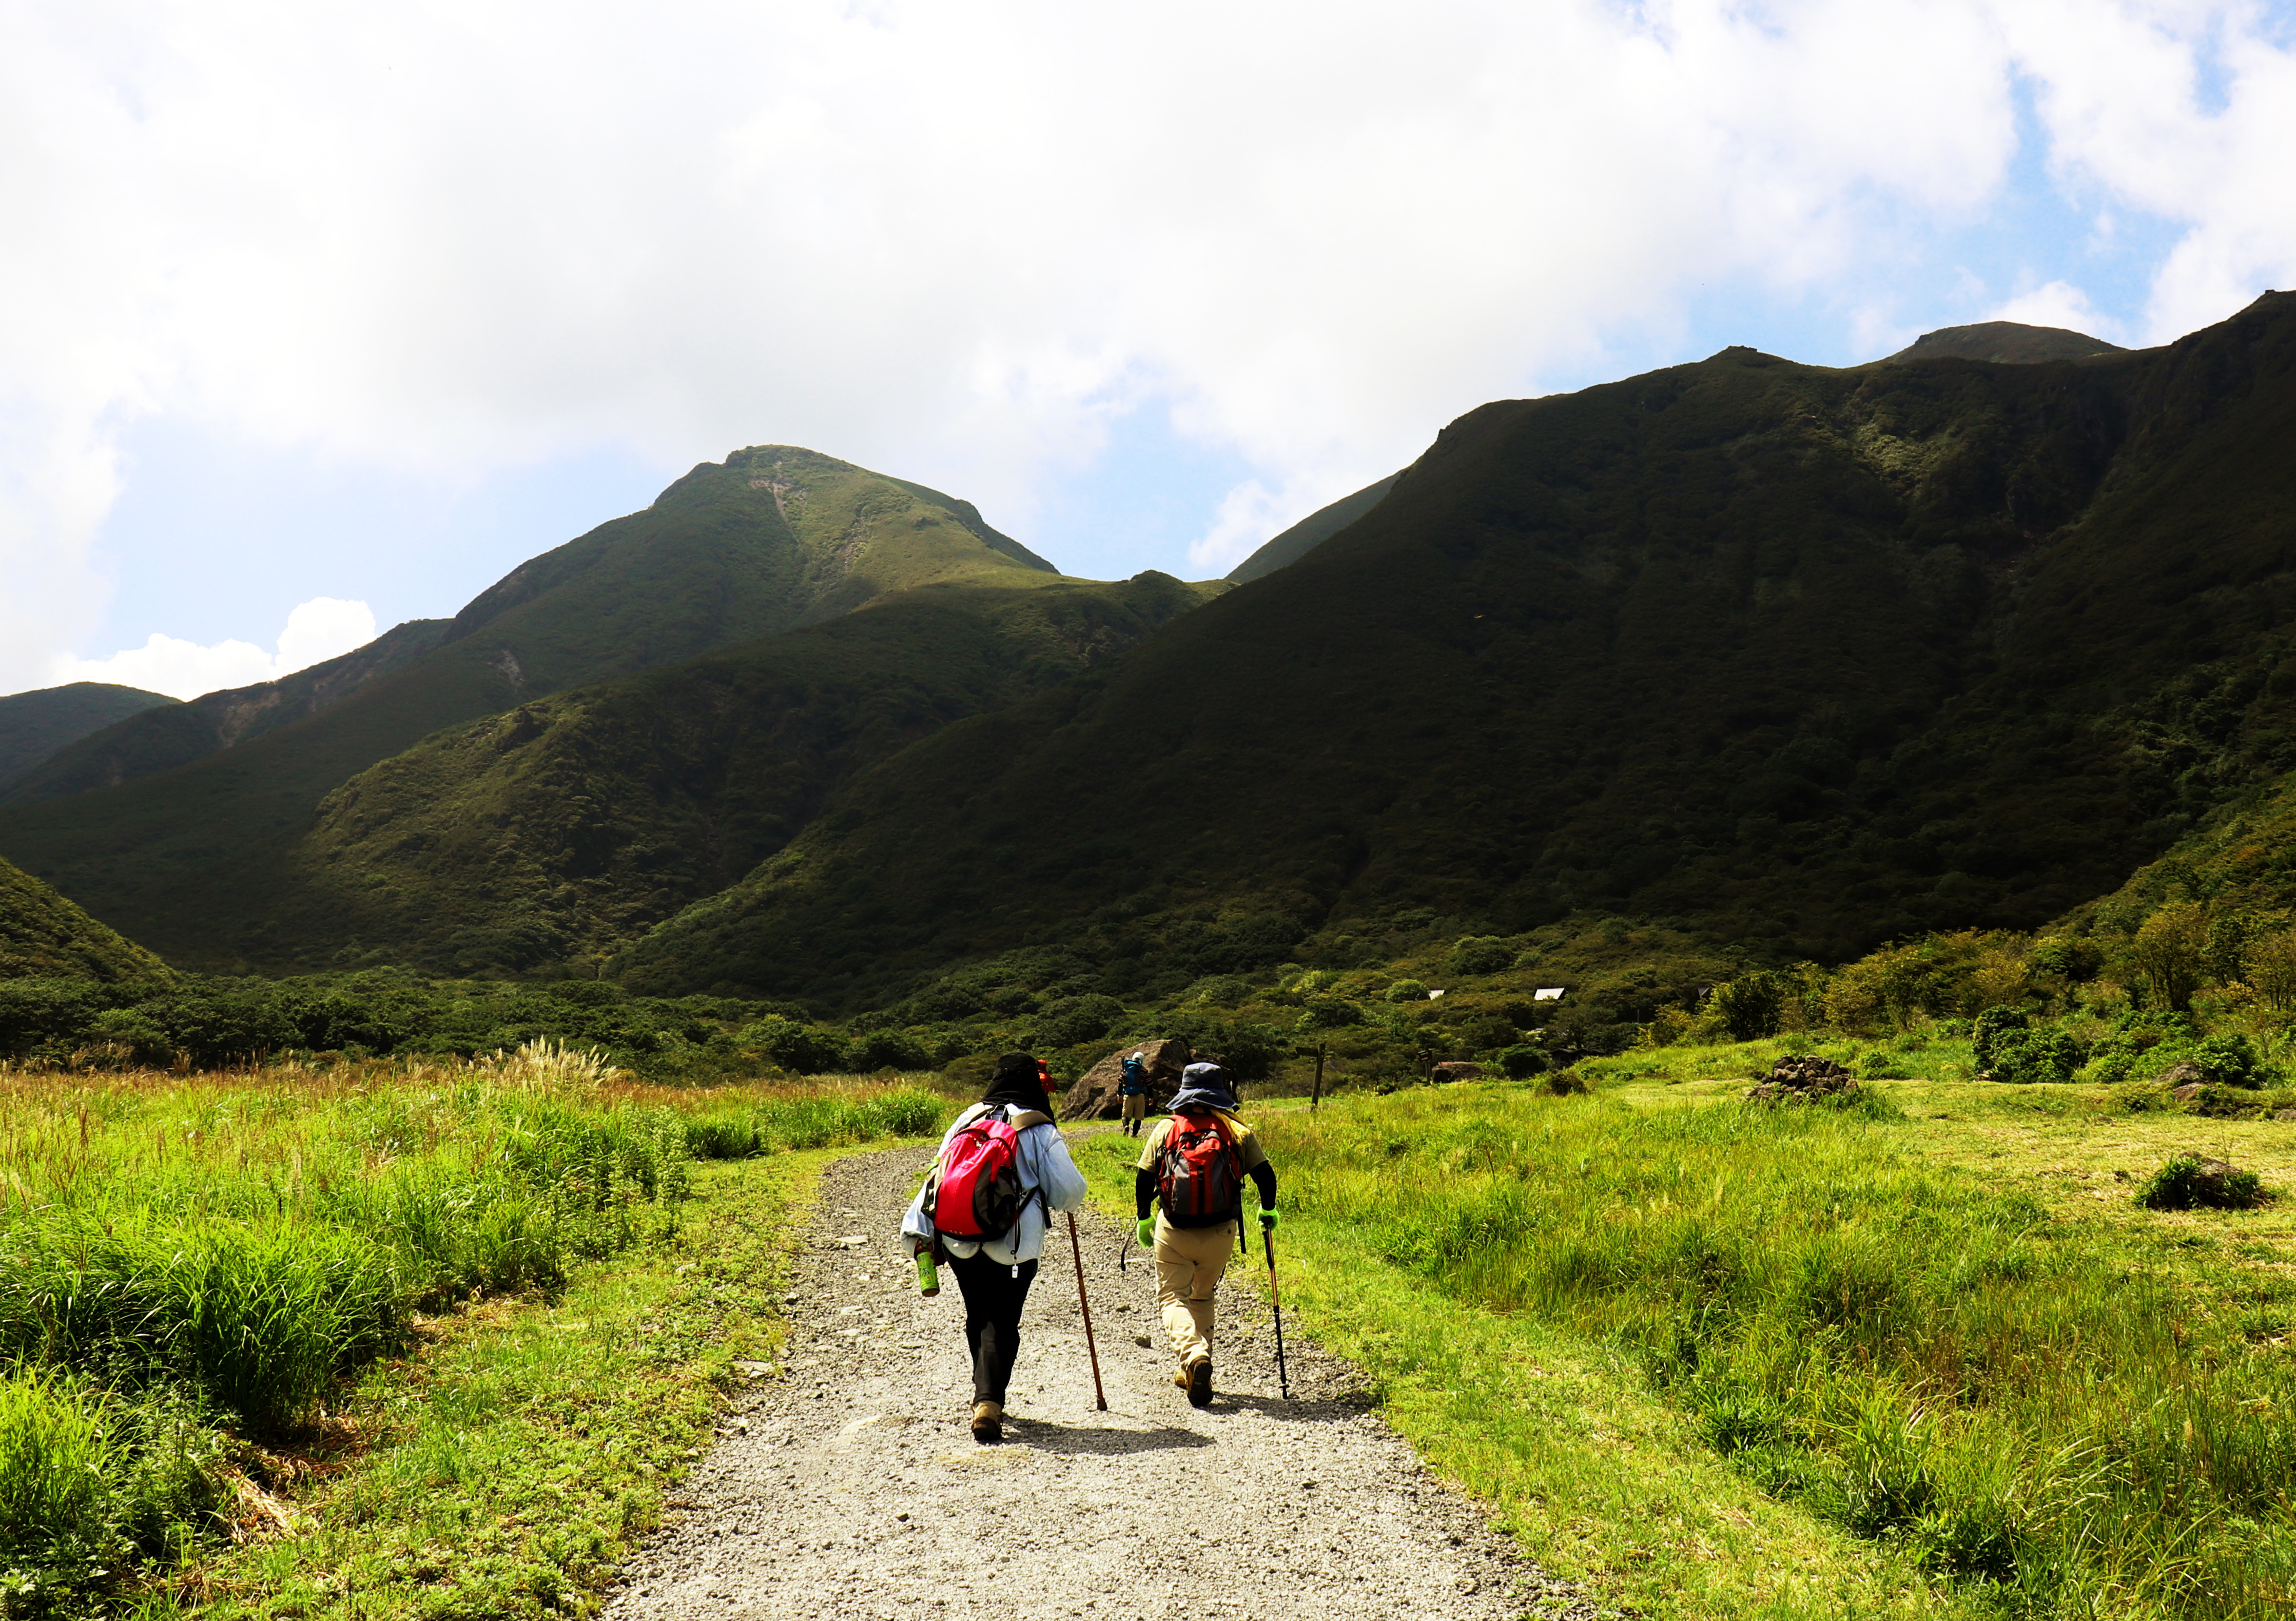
[1801,1080]
[2189,1090]
[2182,1075]
[1456,1069]
[1094,1096]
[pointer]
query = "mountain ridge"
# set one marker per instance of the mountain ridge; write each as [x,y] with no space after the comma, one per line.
[1473,699]
[773,538]
[35,726]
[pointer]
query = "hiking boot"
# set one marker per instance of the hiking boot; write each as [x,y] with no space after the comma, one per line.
[989,1422]
[1199,1383]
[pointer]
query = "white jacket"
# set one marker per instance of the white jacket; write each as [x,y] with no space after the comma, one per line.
[1042,1159]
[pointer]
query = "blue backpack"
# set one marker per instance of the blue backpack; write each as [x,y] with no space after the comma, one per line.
[1136,1079]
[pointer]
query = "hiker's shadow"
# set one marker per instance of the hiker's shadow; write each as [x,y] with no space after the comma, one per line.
[1040,1436]
[1312,1409]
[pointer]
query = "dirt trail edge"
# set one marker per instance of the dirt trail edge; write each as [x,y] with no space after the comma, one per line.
[848,1486]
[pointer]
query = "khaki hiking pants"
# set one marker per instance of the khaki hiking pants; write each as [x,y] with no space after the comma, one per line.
[1135,1106]
[1189,1262]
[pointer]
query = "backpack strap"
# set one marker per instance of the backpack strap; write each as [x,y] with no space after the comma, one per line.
[1026,1118]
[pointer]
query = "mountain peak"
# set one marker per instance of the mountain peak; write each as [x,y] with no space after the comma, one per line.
[2008,342]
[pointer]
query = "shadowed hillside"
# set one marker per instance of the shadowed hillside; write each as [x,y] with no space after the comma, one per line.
[1312,530]
[44,935]
[772,540]
[34,725]
[1804,658]
[564,827]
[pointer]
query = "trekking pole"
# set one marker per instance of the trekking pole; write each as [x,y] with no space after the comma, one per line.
[1284,1377]
[1076,1254]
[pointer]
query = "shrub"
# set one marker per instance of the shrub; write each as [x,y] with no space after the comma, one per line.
[2228,1058]
[1481,954]
[1521,1061]
[1075,1020]
[1986,1033]
[2271,968]
[132,1028]
[885,1049]
[2170,950]
[2190,1183]
[1329,1013]
[35,1011]
[802,1050]
[1751,1006]
[1406,990]
[1667,1026]
[2024,1056]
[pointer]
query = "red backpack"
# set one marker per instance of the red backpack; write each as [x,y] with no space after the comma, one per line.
[975,1189]
[1200,1177]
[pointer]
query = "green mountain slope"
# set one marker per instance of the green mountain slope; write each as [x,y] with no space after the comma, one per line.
[2241,859]
[2005,341]
[566,827]
[34,724]
[1312,530]
[1806,659]
[773,538]
[44,935]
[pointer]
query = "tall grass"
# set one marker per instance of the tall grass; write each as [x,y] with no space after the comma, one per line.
[813,1117]
[228,1248]
[1909,1355]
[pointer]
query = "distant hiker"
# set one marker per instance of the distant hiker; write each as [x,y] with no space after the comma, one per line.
[983,1210]
[1132,1089]
[1194,1163]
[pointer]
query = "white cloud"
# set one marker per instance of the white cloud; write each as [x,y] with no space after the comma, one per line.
[2054,304]
[942,239]
[317,630]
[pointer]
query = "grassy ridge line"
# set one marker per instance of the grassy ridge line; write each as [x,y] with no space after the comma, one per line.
[1600,1482]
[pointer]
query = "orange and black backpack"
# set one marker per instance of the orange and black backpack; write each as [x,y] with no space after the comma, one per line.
[1199,1176]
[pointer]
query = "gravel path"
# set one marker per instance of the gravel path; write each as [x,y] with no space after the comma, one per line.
[849,1485]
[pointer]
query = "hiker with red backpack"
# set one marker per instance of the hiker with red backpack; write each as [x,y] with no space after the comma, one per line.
[1193,1164]
[983,1210]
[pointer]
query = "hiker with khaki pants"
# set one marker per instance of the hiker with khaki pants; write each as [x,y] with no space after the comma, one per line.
[1193,1164]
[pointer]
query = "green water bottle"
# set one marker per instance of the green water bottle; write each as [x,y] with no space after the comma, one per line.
[928,1276]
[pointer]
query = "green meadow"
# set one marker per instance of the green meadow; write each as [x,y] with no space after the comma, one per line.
[379,1338]
[1926,1354]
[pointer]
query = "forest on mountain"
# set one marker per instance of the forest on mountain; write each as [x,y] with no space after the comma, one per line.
[1746,662]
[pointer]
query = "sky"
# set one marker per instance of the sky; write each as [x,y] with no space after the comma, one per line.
[322,318]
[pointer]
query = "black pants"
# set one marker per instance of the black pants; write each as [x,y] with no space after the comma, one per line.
[992,1299]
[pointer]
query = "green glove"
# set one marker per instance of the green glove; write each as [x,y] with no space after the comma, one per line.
[1146,1232]
[1268,1220]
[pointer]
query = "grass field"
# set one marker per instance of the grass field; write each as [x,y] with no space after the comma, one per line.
[380,1339]
[1923,1356]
